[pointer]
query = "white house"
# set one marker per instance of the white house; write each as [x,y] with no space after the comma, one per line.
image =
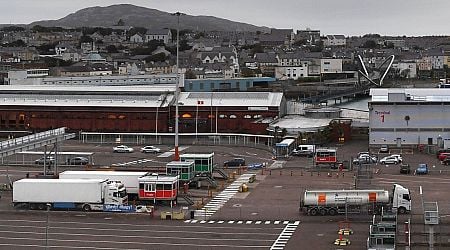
[161,34]
[137,38]
[335,40]
[291,72]
[330,65]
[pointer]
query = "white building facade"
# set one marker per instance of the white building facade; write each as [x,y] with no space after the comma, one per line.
[402,117]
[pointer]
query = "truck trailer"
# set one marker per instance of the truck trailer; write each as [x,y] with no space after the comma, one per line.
[129,179]
[80,194]
[333,202]
[141,186]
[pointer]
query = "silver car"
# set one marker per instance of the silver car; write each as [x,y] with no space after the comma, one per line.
[389,160]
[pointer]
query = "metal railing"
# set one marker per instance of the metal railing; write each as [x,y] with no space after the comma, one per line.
[247,140]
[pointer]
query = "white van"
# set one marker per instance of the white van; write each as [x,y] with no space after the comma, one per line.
[304,150]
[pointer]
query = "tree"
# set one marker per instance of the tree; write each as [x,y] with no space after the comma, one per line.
[120,22]
[137,30]
[190,75]
[47,48]
[300,42]
[389,45]
[17,43]
[86,39]
[184,45]
[370,44]
[160,57]
[13,29]
[111,49]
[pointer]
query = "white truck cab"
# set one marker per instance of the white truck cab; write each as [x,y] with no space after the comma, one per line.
[401,199]
[115,193]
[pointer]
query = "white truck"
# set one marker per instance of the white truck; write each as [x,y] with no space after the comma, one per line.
[128,178]
[332,202]
[86,195]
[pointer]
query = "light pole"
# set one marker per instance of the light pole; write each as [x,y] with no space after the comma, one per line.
[156,124]
[177,153]
[196,122]
[46,227]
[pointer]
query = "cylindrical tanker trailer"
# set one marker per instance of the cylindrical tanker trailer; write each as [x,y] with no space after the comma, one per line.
[332,202]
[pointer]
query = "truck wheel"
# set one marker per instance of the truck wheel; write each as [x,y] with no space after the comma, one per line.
[87,208]
[401,210]
[323,212]
[313,212]
[332,212]
[41,206]
[32,206]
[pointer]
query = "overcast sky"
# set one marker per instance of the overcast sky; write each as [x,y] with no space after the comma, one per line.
[347,17]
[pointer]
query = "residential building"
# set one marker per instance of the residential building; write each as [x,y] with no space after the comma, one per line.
[308,35]
[330,65]
[137,38]
[335,40]
[406,69]
[291,72]
[164,35]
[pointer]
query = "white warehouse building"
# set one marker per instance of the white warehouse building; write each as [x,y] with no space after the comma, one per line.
[416,116]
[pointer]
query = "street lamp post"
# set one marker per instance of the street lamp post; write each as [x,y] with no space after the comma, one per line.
[46,226]
[177,153]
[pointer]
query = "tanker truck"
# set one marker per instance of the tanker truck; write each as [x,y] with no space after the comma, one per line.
[86,195]
[333,202]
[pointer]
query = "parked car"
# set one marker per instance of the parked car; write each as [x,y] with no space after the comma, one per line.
[442,156]
[307,153]
[399,157]
[255,165]
[389,160]
[422,169]
[150,149]
[365,159]
[49,160]
[122,149]
[79,160]
[384,149]
[405,169]
[446,161]
[236,162]
[442,151]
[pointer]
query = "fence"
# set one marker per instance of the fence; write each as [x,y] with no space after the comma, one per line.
[247,140]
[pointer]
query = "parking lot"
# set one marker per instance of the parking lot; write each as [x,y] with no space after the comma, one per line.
[271,201]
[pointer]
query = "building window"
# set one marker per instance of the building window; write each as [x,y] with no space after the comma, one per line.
[247,116]
[233,116]
[222,116]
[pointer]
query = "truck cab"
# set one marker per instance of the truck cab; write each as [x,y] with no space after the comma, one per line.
[115,193]
[401,199]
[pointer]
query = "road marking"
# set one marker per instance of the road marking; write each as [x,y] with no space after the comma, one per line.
[285,235]
[203,245]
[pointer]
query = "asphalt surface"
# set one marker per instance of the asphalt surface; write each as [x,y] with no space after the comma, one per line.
[253,219]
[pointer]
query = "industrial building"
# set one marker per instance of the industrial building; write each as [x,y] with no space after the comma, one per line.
[409,117]
[144,108]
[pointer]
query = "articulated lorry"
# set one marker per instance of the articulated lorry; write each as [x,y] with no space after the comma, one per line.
[141,186]
[333,202]
[86,195]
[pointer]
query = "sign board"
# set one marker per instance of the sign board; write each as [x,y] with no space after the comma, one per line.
[119,208]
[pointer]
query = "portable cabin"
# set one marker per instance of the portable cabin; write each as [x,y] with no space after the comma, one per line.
[203,163]
[158,187]
[183,169]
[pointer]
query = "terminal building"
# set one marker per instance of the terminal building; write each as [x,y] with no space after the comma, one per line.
[144,108]
[409,117]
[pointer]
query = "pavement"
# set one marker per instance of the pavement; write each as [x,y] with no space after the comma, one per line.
[267,216]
